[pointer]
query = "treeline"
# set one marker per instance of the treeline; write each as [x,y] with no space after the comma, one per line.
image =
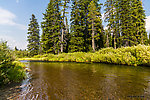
[85,32]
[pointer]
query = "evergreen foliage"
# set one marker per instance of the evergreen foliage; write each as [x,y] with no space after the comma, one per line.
[33,37]
[95,26]
[126,25]
[10,71]
[65,30]
[77,36]
[80,25]
[126,21]
[51,27]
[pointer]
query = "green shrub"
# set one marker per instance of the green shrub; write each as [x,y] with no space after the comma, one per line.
[135,55]
[10,71]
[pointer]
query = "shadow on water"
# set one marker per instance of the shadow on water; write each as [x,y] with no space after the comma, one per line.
[10,91]
[79,81]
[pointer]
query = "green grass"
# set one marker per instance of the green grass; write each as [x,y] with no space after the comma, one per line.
[135,55]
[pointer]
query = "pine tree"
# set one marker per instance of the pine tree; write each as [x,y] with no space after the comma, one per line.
[47,29]
[140,23]
[16,49]
[51,26]
[64,27]
[110,18]
[80,39]
[95,25]
[66,36]
[33,36]
[77,35]
[126,21]
[107,38]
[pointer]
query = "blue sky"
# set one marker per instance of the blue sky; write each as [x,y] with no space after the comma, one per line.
[15,15]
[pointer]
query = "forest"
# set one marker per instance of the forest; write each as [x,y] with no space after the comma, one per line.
[85,32]
[73,31]
[84,38]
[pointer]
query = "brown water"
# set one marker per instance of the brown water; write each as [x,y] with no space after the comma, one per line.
[74,81]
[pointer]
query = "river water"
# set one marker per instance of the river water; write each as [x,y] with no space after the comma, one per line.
[79,81]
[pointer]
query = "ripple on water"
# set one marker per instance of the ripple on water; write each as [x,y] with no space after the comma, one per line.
[71,81]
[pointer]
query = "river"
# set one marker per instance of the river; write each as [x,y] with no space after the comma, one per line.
[80,81]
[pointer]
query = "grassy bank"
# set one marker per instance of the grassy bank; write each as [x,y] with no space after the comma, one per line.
[10,70]
[136,55]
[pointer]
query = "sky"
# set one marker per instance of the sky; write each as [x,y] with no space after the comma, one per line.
[15,15]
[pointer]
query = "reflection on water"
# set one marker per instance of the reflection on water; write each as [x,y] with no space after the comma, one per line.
[74,81]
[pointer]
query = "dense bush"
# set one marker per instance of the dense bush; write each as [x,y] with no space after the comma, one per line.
[10,70]
[136,55]
[21,53]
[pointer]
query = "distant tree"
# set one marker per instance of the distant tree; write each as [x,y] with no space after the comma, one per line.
[33,36]
[16,49]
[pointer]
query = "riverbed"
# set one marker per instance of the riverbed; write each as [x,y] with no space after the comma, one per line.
[80,81]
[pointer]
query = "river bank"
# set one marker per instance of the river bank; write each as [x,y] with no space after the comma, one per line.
[12,73]
[132,56]
[10,69]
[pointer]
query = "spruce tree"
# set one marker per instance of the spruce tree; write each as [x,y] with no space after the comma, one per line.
[33,36]
[140,23]
[66,37]
[110,12]
[51,27]
[47,29]
[77,35]
[126,22]
[95,25]
[57,27]
[80,39]
[64,25]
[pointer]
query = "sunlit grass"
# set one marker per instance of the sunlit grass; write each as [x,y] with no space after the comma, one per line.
[135,55]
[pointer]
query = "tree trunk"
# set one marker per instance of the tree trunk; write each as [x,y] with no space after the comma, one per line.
[62,39]
[107,41]
[93,33]
[63,29]
[142,42]
[114,41]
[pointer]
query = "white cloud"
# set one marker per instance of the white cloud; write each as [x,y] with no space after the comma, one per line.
[148,23]
[7,18]
[17,1]
[12,42]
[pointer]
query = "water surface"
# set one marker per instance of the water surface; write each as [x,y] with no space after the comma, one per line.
[79,81]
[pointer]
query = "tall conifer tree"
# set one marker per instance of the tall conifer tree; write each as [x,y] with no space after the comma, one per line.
[95,25]
[64,25]
[51,28]
[77,35]
[33,36]
[126,22]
